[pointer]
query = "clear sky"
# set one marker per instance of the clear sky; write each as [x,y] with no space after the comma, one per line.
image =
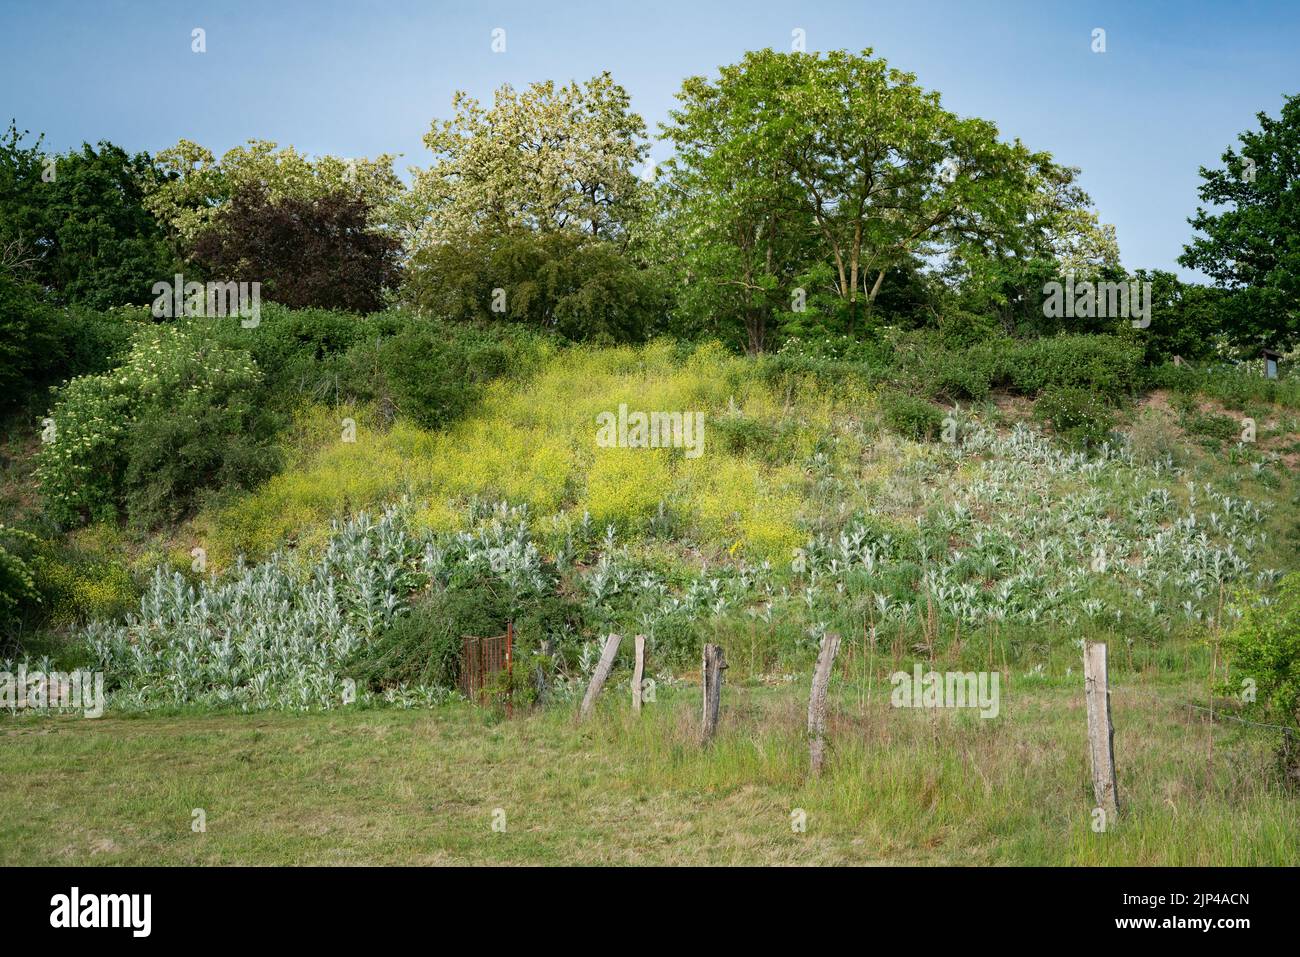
[1177,83]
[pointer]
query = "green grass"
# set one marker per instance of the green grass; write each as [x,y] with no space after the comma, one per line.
[387,786]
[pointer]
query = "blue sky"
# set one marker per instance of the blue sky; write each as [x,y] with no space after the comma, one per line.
[1177,83]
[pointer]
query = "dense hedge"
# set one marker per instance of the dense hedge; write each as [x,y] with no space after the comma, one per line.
[1109,366]
[1232,385]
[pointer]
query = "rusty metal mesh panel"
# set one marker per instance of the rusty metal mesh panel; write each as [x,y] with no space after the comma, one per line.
[481,660]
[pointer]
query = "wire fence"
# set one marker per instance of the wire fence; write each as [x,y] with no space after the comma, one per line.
[1215,713]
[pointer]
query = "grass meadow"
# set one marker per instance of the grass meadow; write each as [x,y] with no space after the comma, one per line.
[392,786]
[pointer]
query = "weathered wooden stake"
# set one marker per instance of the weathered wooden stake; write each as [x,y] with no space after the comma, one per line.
[817,700]
[539,673]
[600,675]
[714,664]
[638,673]
[510,668]
[1101,733]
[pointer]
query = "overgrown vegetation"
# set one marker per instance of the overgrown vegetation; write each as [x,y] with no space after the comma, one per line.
[306,508]
[1265,645]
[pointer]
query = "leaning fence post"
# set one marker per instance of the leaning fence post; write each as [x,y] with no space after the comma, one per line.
[601,673]
[1101,733]
[638,673]
[715,663]
[817,700]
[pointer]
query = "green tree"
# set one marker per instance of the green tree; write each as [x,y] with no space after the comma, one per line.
[841,150]
[884,171]
[193,187]
[1186,317]
[731,230]
[32,331]
[81,216]
[1002,273]
[1251,241]
[547,158]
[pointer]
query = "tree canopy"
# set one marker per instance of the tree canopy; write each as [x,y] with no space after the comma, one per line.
[80,220]
[545,158]
[834,170]
[1251,241]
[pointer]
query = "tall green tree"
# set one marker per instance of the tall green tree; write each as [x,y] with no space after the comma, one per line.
[731,227]
[1186,318]
[527,213]
[32,332]
[851,165]
[1002,273]
[82,218]
[545,158]
[1251,241]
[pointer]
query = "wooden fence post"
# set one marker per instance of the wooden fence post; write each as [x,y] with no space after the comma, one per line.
[510,669]
[1101,733]
[715,663]
[539,673]
[638,673]
[599,676]
[817,700]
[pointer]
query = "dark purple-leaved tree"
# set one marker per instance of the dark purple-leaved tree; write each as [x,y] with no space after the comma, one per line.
[320,252]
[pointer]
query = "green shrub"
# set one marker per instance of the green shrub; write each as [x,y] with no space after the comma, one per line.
[1108,366]
[423,647]
[17,584]
[204,442]
[42,344]
[1234,385]
[300,352]
[960,329]
[584,289]
[910,416]
[1264,650]
[99,340]
[431,371]
[1153,442]
[180,414]
[1078,416]
[740,434]
[1212,426]
[925,362]
[79,468]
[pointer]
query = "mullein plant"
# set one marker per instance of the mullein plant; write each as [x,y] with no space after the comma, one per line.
[272,635]
[1038,536]
[1010,547]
